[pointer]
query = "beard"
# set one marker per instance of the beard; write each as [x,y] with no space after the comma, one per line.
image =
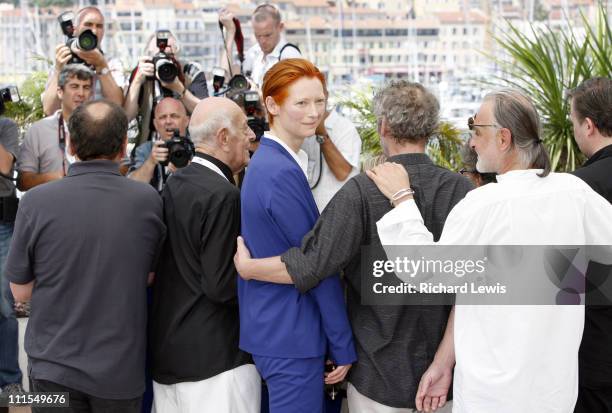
[485,166]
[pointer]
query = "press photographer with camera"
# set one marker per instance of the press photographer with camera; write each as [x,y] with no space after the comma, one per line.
[154,160]
[87,29]
[43,154]
[10,374]
[270,48]
[160,74]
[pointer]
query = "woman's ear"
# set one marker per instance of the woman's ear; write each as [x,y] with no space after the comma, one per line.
[271,106]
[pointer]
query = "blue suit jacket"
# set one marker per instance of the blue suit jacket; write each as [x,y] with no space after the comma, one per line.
[277,320]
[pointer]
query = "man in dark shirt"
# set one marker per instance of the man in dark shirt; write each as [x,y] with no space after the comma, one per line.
[197,365]
[394,343]
[83,250]
[591,106]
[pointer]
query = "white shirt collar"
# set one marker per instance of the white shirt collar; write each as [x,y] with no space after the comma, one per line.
[518,174]
[300,157]
[208,164]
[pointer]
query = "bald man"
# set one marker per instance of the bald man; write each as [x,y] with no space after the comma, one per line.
[85,264]
[170,114]
[196,362]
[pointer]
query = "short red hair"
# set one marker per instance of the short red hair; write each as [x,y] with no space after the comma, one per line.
[283,74]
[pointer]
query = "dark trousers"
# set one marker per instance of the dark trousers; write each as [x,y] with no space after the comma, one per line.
[83,403]
[594,400]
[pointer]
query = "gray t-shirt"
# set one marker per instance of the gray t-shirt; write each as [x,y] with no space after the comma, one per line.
[89,241]
[9,139]
[40,150]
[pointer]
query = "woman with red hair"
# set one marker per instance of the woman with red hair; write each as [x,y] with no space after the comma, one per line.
[289,333]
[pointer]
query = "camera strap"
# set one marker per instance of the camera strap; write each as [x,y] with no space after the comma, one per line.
[61,137]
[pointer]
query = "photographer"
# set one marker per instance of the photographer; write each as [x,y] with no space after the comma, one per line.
[271,47]
[43,155]
[109,72]
[149,157]
[10,374]
[146,84]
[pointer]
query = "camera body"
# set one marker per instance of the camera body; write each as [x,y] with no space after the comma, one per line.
[258,124]
[8,94]
[166,69]
[238,90]
[86,40]
[180,150]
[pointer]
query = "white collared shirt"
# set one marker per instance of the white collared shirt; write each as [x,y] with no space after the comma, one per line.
[208,164]
[258,64]
[345,137]
[515,357]
[300,157]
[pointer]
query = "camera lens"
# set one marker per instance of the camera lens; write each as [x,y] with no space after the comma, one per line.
[87,40]
[239,83]
[166,70]
[178,155]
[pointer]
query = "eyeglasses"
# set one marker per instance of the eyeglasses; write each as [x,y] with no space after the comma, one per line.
[464,171]
[472,125]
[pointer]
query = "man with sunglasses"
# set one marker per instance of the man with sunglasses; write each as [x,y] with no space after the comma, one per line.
[270,48]
[509,358]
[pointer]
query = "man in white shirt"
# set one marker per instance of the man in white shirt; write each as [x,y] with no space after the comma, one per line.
[333,157]
[270,48]
[508,358]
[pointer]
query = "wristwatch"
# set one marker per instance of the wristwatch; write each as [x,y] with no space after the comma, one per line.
[320,139]
[105,71]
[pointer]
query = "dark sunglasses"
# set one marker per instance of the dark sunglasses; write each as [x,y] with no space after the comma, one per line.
[471,124]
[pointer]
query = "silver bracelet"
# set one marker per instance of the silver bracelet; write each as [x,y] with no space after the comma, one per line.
[400,194]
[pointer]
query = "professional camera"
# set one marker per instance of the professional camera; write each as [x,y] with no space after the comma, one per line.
[257,124]
[86,40]
[8,94]
[180,150]
[165,67]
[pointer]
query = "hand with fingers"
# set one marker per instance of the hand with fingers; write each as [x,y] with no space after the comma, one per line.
[62,56]
[241,258]
[338,374]
[144,71]
[433,388]
[389,177]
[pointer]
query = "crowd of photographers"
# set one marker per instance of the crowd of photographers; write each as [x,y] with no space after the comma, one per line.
[121,247]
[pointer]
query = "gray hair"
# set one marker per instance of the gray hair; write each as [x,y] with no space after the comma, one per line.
[267,11]
[410,110]
[206,131]
[84,11]
[79,71]
[516,112]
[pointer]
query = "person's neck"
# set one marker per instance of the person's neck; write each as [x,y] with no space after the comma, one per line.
[512,163]
[212,151]
[402,148]
[599,144]
[66,115]
[293,142]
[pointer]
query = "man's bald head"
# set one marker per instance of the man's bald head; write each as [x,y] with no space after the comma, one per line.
[211,115]
[219,128]
[170,114]
[98,130]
